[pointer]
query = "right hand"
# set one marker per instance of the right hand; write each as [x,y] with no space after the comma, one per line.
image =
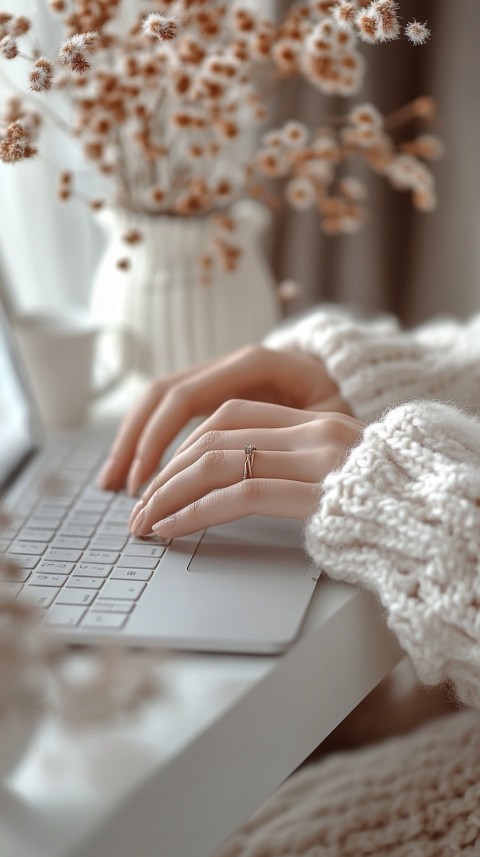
[256,373]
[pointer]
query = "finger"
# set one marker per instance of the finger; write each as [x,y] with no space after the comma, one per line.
[243,413]
[323,430]
[279,439]
[122,452]
[275,497]
[201,393]
[115,468]
[218,469]
[334,404]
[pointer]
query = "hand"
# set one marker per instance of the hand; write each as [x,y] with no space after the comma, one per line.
[254,373]
[202,485]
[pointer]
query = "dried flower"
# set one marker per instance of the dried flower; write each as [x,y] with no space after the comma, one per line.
[161,106]
[41,76]
[300,192]
[8,48]
[133,236]
[289,290]
[158,26]
[15,144]
[417,33]
[388,26]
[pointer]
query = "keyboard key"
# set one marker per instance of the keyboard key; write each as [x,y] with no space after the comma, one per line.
[9,533]
[93,493]
[55,567]
[50,510]
[63,554]
[91,506]
[12,528]
[151,538]
[81,517]
[43,523]
[138,562]
[142,549]
[105,621]
[70,542]
[23,547]
[71,529]
[117,516]
[111,528]
[49,501]
[36,534]
[123,589]
[23,561]
[92,569]
[131,574]
[40,578]
[105,606]
[76,596]
[9,589]
[73,474]
[64,614]
[124,503]
[4,543]
[80,582]
[42,596]
[108,543]
[50,513]
[109,557]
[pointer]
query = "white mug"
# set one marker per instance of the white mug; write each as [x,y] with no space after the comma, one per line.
[58,350]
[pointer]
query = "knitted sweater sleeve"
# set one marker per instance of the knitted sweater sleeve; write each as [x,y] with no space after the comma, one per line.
[376,365]
[402,518]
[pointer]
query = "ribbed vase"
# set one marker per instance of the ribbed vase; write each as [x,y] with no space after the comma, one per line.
[173,320]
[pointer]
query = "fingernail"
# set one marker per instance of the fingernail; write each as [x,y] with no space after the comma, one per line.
[137,523]
[136,509]
[106,473]
[134,479]
[164,526]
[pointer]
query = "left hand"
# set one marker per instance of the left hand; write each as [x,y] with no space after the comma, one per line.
[202,484]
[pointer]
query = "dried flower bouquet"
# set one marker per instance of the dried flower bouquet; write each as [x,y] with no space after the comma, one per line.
[162,101]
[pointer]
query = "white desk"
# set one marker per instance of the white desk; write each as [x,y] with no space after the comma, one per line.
[184,775]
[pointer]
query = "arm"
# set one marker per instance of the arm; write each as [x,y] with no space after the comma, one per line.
[402,518]
[376,365]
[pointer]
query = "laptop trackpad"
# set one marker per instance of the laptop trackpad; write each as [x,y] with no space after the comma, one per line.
[252,581]
[252,546]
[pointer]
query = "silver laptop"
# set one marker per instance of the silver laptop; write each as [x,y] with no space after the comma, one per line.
[240,587]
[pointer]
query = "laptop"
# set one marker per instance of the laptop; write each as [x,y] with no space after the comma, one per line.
[239,587]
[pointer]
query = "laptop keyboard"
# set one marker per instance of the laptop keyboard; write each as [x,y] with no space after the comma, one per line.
[69,539]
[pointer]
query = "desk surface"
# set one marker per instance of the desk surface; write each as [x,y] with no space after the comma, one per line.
[195,764]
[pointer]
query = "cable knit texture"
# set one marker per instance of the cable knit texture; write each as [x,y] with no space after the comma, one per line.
[376,365]
[415,796]
[402,517]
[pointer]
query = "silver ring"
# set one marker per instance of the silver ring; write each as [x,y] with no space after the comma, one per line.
[250,451]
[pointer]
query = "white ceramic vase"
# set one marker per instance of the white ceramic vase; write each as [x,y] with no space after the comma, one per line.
[173,320]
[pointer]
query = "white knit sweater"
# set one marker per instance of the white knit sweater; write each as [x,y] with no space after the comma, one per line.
[402,518]
[377,365]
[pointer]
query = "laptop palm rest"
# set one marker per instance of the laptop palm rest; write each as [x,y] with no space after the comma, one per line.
[255,581]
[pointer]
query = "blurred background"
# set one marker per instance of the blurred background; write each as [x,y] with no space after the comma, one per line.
[402,261]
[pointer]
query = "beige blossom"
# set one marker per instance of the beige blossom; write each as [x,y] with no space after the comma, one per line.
[163,105]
